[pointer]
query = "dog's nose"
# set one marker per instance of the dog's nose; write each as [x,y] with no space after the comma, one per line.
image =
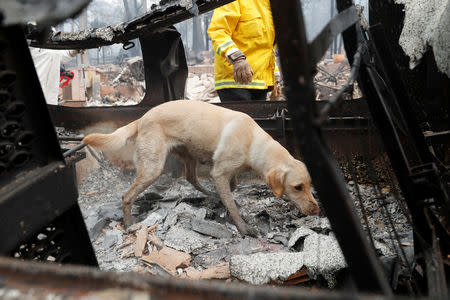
[315,211]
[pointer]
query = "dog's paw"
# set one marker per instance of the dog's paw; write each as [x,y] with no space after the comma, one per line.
[127,222]
[248,230]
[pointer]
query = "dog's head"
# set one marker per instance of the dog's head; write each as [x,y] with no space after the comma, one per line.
[293,180]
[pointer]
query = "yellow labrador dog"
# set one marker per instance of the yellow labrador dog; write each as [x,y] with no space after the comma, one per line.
[229,141]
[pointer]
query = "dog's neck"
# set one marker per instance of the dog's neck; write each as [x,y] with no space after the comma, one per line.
[266,155]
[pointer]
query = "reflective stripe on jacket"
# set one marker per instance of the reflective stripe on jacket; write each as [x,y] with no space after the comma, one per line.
[248,26]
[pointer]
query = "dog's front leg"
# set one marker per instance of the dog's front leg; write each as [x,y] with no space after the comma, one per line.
[223,187]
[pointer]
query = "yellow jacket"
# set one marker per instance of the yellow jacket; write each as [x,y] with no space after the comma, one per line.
[248,26]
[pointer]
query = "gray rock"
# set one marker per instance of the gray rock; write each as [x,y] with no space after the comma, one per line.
[112,237]
[211,258]
[152,219]
[95,226]
[184,240]
[261,268]
[211,228]
[183,211]
[111,211]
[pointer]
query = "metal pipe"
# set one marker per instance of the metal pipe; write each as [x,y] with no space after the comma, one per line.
[74,149]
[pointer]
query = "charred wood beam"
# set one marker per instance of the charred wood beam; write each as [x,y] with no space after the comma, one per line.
[161,16]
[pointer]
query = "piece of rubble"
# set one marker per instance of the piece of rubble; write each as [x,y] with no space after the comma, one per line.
[184,240]
[184,212]
[111,238]
[211,258]
[169,259]
[127,253]
[299,277]
[152,219]
[323,256]
[128,241]
[133,228]
[211,228]
[141,241]
[156,241]
[261,268]
[299,233]
[221,271]
[316,223]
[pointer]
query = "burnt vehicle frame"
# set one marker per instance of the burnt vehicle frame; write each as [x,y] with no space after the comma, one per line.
[303,120]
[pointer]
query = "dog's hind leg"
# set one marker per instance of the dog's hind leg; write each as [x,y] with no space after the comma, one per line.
[190,165]
[151,154]
[233,183]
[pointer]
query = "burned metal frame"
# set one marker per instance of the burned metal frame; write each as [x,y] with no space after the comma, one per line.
[165,15]
[410,157]
[298,71]
[42,189]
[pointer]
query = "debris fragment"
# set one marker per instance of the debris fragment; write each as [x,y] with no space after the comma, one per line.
[261,268]
[169,259]
[141,240]
[184,240]
[211,228]
[221,271]
[156,241]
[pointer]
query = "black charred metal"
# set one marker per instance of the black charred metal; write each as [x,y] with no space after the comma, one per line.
[393,113]
[165,66]
[37,186]
[166,14]
[297,69]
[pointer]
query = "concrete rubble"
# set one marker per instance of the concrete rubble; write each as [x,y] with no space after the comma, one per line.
[176,222]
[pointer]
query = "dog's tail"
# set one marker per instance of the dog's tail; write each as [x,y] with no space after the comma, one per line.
[114,141]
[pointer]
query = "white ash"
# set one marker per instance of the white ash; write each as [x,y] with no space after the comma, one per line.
[427,23]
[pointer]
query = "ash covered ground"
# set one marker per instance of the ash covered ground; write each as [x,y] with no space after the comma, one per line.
[190,222]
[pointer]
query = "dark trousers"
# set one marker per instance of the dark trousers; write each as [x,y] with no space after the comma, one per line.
[228,95]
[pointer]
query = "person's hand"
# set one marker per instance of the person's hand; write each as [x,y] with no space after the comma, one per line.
[242,72]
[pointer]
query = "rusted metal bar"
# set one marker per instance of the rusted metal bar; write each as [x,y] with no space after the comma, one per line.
[75,282]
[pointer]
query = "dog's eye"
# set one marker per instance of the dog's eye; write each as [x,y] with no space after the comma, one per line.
[299,187]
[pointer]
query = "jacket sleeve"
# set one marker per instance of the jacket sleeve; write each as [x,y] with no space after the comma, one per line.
[223,23]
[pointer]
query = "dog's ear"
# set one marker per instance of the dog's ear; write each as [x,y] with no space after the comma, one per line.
[275,179]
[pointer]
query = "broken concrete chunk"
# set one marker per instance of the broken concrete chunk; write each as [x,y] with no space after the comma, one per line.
[152,219]
[141,241]
[323,256]
[261,268]
[299,233]
[184,240]
[211,228]
[169,259]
